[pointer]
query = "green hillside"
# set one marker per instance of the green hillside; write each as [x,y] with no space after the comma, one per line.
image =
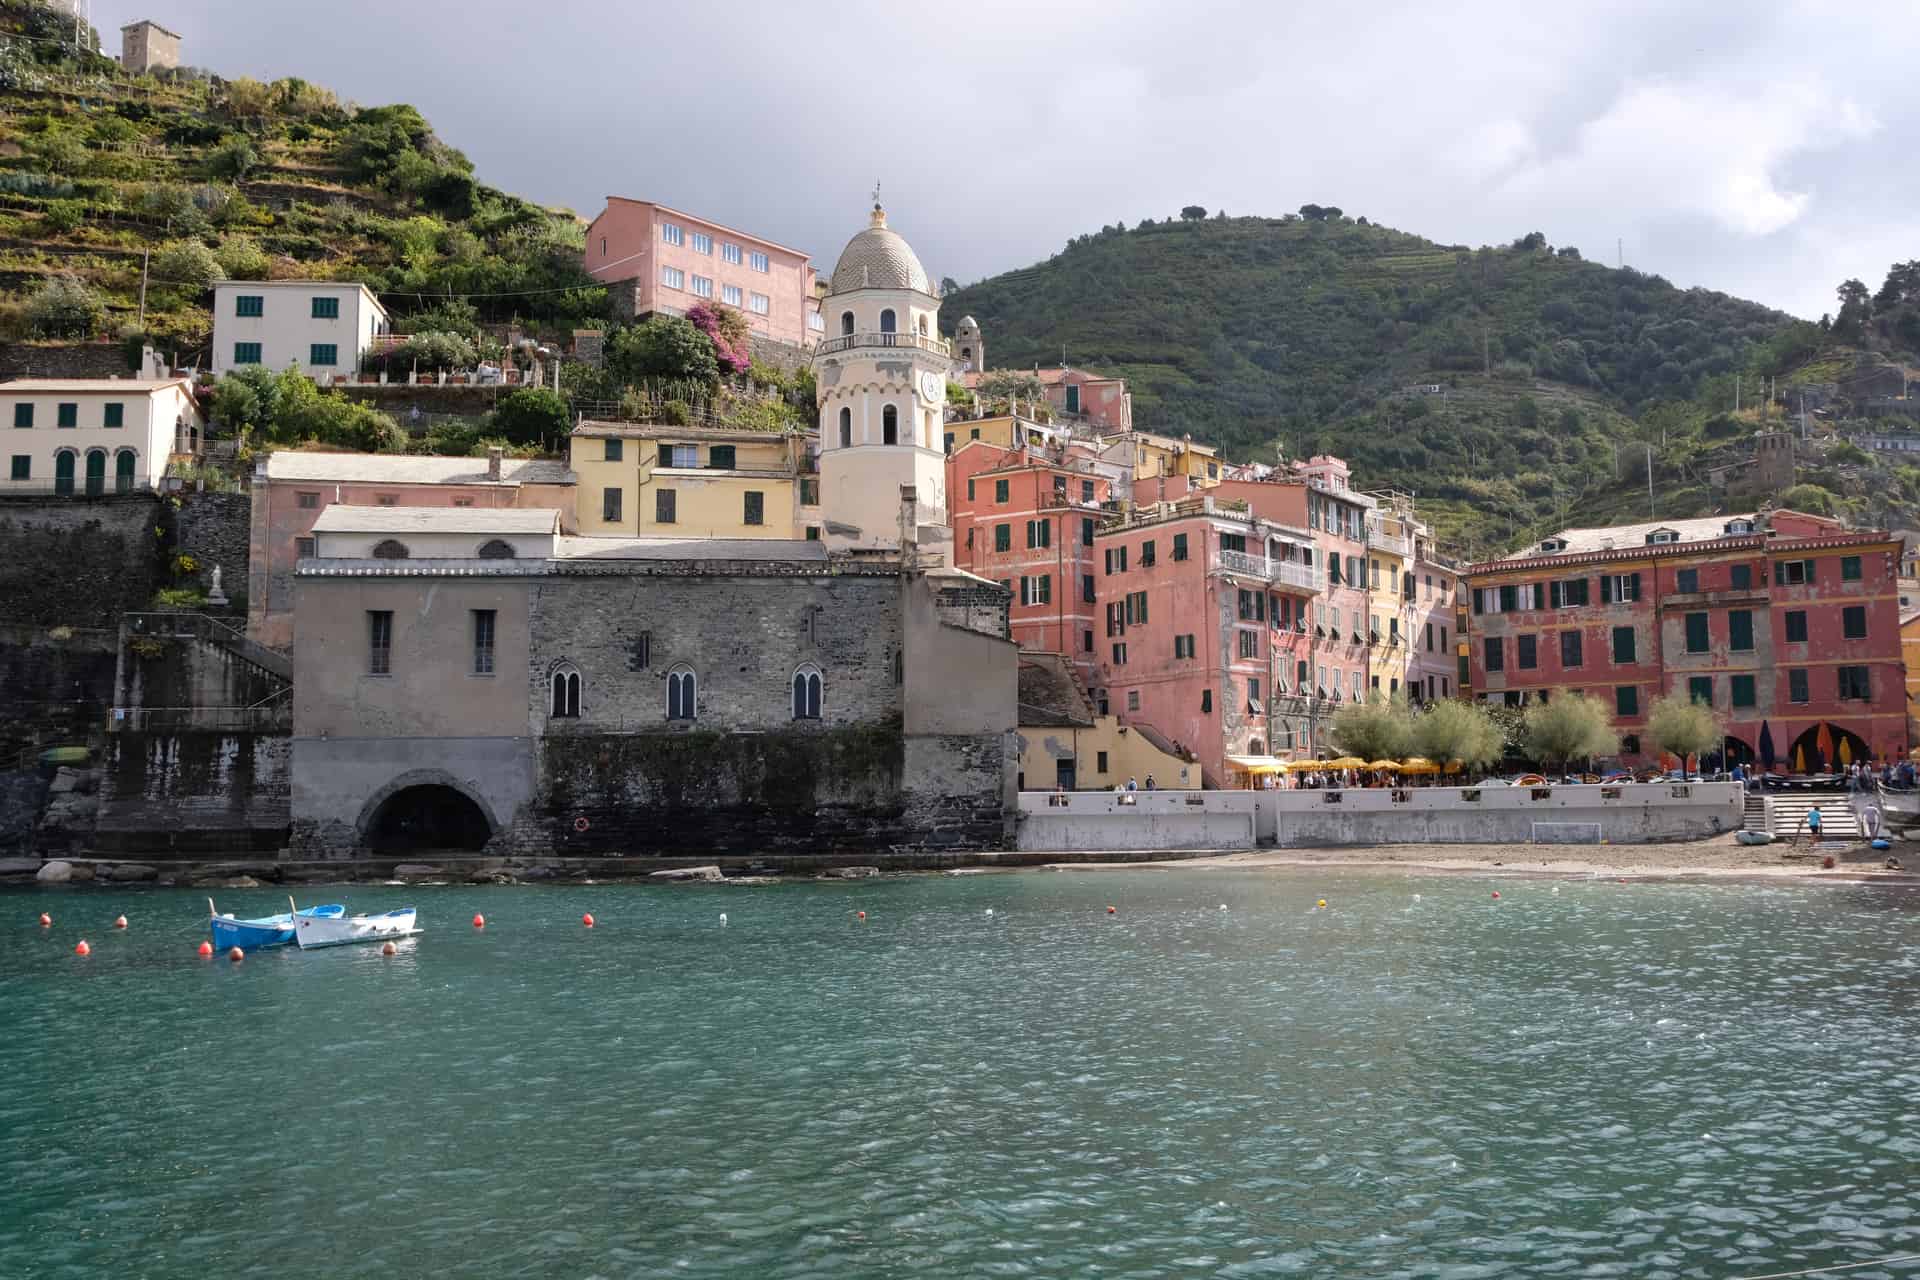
[99,169]
[1318,333]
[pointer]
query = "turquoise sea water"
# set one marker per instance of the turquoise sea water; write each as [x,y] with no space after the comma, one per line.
[1581,1079]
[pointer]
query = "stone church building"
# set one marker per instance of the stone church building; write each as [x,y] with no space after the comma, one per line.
[615,695]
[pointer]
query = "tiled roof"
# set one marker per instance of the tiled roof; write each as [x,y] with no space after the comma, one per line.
[344,518]
[596,429]
[403,468]
[105,386]
[1620,537]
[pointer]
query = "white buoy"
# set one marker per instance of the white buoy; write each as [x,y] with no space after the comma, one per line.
[1556,888]
[723,919]
[1416,897]
[989,910]
[1223,906]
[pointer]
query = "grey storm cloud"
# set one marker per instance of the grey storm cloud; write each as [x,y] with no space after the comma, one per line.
[1763,149]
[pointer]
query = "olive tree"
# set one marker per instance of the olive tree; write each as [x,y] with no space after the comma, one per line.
[1377,729]
[1463,731]
[1684,727]
[1571,727]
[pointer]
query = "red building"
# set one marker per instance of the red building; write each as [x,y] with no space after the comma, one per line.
[1027,519]
[1788,624]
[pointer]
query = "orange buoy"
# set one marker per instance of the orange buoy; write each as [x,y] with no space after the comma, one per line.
[479,922]
[863,915]
[587,919]
[206,948]
[83,949]
[389,950]
[120,922]
[46,921]
[1112,910]
[1827,862]
[236,955]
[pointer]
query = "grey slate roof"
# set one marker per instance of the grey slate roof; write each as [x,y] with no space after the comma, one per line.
[584,548]
[403,468]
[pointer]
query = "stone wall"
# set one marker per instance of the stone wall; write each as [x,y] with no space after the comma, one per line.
[397,398]
[55,687]
[78,562]
[23,792]
[214,529]
[191,793]
[63,360]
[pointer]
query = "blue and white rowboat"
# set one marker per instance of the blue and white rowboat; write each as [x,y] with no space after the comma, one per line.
[261,932]
[338,930]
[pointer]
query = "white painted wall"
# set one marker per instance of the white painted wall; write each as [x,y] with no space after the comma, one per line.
[431,545]
[1162,820]
[148,421]
[287,328]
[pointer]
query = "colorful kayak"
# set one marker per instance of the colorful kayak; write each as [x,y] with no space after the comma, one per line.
[261,932]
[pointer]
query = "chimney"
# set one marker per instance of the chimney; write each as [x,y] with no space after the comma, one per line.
[494,455]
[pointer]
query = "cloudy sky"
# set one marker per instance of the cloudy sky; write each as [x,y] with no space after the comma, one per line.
[1767,149]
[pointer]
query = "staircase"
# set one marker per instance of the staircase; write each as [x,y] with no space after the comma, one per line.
[198,626]
[1837,818]
[1756,813]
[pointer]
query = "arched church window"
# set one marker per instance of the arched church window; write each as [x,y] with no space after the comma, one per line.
[683,693]
[565,690]
[496,549]
[390,549]
[806,693]
[846,428]
[846,323]
[966,353]
[889,425]
[886,321]
[923,326]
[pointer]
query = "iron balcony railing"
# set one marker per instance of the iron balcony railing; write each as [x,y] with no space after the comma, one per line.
[849,341]
[1402,547]
[1279,572]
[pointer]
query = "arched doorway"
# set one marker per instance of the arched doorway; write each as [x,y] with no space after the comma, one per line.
[1826,748]
[96,472]
[428,816]
[1736,752]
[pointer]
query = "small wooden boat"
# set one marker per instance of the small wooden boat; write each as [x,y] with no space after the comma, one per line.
[1899,807]
[260,932]
[342,930]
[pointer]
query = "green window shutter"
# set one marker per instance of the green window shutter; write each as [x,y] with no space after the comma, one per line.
[116,415]
[1700,689]
[1626,701]
[68,415]
[1850,568]
[23,415]
[246,353]
[1742,691]
[22,466]
[323,354]
[326,308]
[720,457]
[1740,629]
[1696,633]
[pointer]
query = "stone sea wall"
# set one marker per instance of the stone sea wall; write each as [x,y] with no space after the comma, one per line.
[193,793]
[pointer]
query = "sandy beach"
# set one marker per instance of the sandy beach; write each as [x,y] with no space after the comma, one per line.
[1722,856]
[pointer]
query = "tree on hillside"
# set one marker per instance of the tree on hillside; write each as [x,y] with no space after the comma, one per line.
[948,285]
[1571,727]
[1532,242]
[1377,729]
[662,347]
[1193,212]
[1683,727]
[64,307]
[187,263]
[1856,308]
[531,415]
[1450,730]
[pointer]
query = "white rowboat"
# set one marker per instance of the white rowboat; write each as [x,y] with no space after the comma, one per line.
[339,931]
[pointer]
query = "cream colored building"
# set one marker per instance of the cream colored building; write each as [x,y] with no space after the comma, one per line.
[96,435]
[321,327]
[147,46]
[648,480]
[881,374]
[435,533]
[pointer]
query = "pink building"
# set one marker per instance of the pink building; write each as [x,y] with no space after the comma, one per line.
[1079,396]
[1433,672]
[1337,520]
[291,489]
[656,259]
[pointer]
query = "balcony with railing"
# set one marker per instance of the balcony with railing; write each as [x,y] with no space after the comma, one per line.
[1390,543]
[851,341]
[1284,573]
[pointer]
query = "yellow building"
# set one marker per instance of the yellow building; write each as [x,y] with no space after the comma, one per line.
[703,482]
[1910,655]
[1063,743]
[1007,431]
[1153,456]
[1392,532]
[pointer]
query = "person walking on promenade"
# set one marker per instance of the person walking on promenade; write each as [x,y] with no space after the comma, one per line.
[1150,783]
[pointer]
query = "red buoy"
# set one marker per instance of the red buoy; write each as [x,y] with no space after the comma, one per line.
[83,949]
[1112,910]
[236,955]
[120,922]
[46,921]
[389,950]
[479,922]
[1827,862]
[587,919]
[206,948]
[1496,893]
[863,915]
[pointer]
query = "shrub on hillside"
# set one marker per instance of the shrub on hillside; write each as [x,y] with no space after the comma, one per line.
[241,258]
[531,415]
[431,351]
[662,347]
[186,263]
[63,216]
[233,159]
[64,307]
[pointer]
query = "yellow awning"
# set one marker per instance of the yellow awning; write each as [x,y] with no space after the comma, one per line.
[1258,764]
[1347,762]
[1385,764]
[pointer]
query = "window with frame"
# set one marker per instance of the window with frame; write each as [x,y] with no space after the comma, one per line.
[1183,646]
[615,450]
[1003,537]
[1492,656]
[1619,588]
[1000,490]
[379,642]
[114,414]
[1039,533]
[672,233]
[1796,623]
[1525,655]
[1037,589]
[1087,594]
[1253,696]
[730,252]
[323,354]
[23,414]
[307,501]
[1849,568]
[1794,573]
[305,548]
[1086,531]
[563,693]
[759,303]
[1740,630]
[1249,643]
[326,308]
[846,438]
[1797,685]
[250,306]
[1137,608]
[806,693]
[1206,702]
[610,504]
[673,277]
[1686,580]
[665,506]
[1700,689]
[755,507]
[731,295]
[1086,642]
[1740,577]
[683,694]
[1120,653]
[1116,560]
[1853,622]
[1234,542]
[1086,491]
[701,286]
[702,243]
[483,621]
[246,353]
[1572,646]
[757,261]
[1854,684]
[1146,553]
[1740,690]
[1626,700]
[1697,634]
[1179,546]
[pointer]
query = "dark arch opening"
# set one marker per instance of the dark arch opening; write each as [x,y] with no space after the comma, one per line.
[430,816]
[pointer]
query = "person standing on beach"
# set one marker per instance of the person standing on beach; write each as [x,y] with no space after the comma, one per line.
[1813,823]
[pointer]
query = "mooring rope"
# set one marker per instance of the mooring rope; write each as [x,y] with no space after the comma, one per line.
[1844,1266]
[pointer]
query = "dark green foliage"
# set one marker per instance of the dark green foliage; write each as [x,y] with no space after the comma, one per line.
[662,347]
[531,415]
